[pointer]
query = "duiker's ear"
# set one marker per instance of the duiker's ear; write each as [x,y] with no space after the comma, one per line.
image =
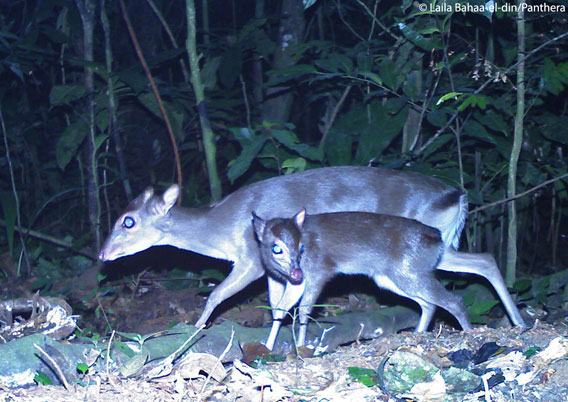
[259,224]
[171,195]
[299,218]
[168,200]
[146,195]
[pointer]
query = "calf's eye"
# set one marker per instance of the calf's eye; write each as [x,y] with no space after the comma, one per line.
[276,249]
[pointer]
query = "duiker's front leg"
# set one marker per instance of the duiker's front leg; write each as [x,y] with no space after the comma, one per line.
[307,303]
[243,273]
[282,299]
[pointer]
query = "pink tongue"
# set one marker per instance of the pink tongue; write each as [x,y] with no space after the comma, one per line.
[296,276]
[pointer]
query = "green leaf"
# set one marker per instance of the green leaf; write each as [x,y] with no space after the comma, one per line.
[336,62]
[135,363]
[99,140]
[365,376]
[82,368]
[437,117]
[66,94]
[426,44]
[372,76]
[212,274]
[136,81]
[251,148]
[377,133]
[124,348]
[294,165]
[42,379]
[522,285]
[290,141]
[437,144]
[251,27]
[475,129]
[338,144]
[387,70]
[532,351]
[472,100]
[230,67]
[555,76]
[450,95]
[553,127]
[482,307]
[364,62]
[69,143]
[209,72]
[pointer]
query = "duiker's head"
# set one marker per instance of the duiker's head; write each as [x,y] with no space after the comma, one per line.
[281,246]
[142,225]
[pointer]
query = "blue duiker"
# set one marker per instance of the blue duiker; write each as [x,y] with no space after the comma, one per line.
[223,230]
[399,254]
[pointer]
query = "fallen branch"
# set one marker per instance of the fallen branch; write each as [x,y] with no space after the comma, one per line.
[50,239]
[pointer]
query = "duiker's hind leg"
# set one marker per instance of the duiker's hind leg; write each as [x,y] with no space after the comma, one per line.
[432,292]
[483,265]
[429,293]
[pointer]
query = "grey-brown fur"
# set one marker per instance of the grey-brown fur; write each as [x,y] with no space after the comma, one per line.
[399,254]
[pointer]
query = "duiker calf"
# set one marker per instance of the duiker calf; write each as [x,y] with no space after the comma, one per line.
[400,254]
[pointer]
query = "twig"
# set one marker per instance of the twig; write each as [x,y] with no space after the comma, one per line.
[103,311]
[50,239]
[109,378]
[177,353]
[346,23]
[329,123]
[54,366]
[108,352]
[358,338]
[169,34]
[530,190]
[221,356]
[14,191]
[383,26]
[482,87]
[245,98]
[155,91]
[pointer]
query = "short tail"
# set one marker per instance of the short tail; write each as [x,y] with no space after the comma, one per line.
[451,236]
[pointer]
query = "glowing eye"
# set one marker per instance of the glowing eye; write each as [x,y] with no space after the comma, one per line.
[276,249]
[128,222]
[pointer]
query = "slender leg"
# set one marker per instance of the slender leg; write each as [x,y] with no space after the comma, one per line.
[432,294]
[483,265]
[428,293]
[242,275]
[290,296]
[428,311]
[309,299]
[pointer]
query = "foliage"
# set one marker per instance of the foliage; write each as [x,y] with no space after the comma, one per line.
[365,376]
[389,86]
[42,379]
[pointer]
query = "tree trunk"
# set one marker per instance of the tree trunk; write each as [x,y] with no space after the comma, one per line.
[511,271]
[278,104]
[207,132]
[87,11]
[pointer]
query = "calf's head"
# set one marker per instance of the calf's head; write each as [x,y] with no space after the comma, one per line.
[280,245]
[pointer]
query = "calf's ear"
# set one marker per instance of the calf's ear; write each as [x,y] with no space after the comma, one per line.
[299,218]
[258,224]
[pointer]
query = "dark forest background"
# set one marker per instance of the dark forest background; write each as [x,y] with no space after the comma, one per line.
[477,100]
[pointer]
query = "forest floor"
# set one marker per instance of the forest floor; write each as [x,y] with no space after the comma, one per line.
[525,376]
